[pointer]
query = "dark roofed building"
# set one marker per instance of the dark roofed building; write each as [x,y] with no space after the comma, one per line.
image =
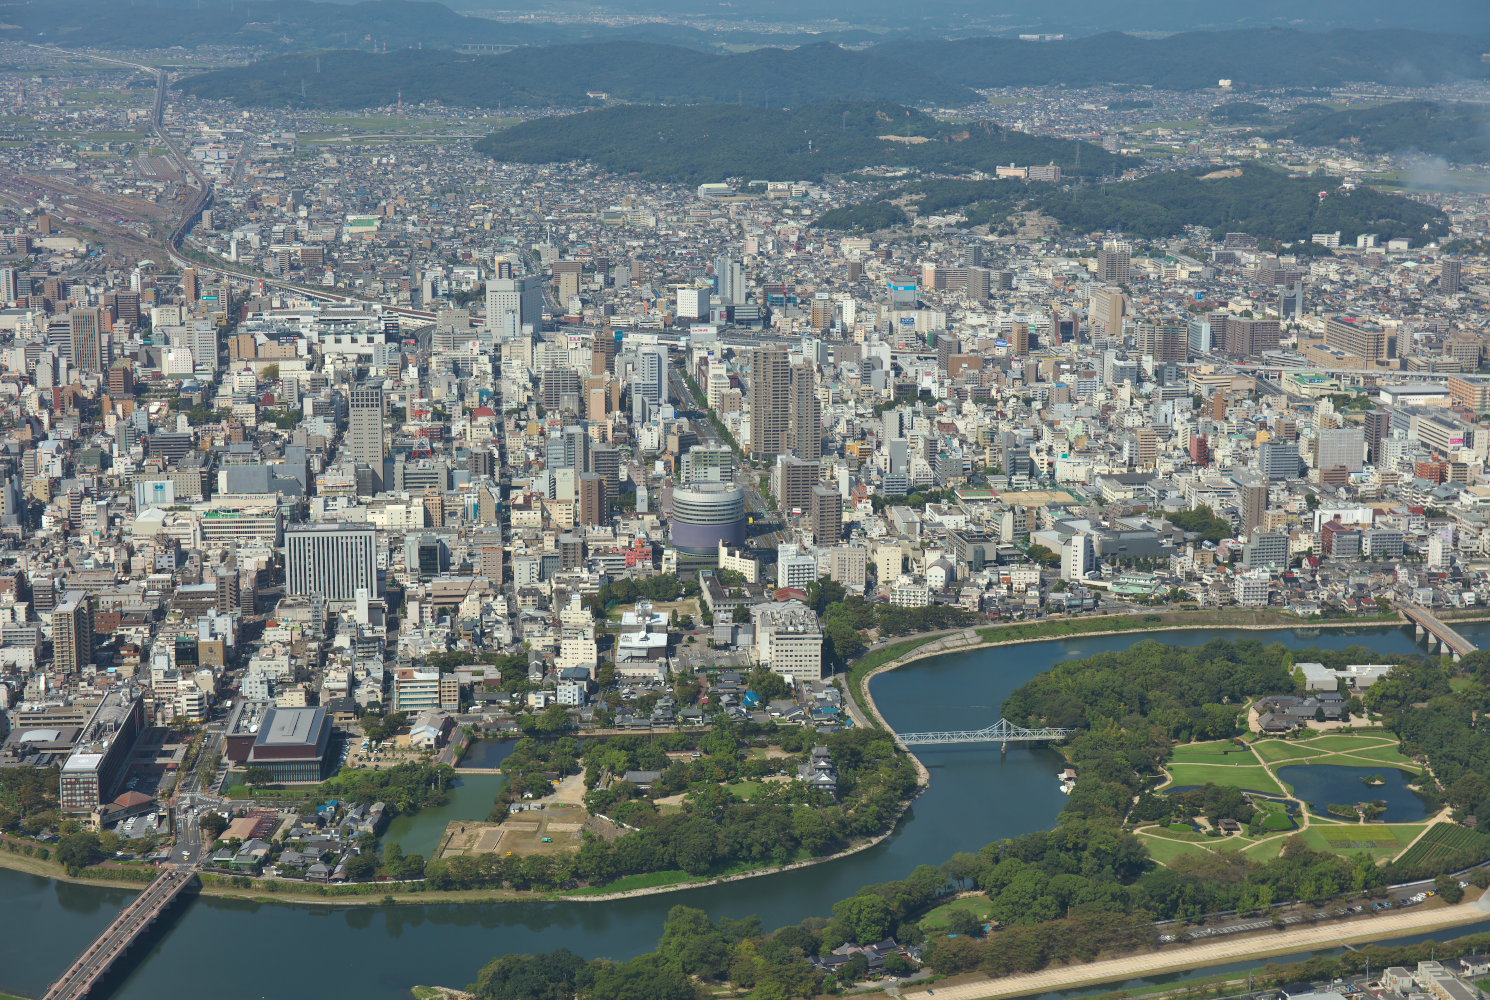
[293,743]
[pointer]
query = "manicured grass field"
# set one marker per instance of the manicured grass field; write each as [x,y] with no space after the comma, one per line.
[938,918]
[1214,752]
[1445,840]
[1380,840]
[1252,777]
[746,790]
[1165,851]
[1345,749]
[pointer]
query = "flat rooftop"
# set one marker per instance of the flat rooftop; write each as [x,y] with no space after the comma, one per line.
[287,727]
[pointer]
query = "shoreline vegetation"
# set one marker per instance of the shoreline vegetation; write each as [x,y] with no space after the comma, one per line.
[885,658]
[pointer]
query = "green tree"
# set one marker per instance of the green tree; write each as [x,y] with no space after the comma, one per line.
[258,776]
[76,851]
[690,939]
[864,917]
[212,824]
[1448,888]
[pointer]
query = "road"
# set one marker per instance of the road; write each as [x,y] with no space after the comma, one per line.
[1196,956]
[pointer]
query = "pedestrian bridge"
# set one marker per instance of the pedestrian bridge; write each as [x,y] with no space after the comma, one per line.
[127,928]
[1426,622]
[1002,732]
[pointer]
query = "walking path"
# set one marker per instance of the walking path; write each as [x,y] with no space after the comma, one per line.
[1193,956]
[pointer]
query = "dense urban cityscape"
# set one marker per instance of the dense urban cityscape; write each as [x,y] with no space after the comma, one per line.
[605,516]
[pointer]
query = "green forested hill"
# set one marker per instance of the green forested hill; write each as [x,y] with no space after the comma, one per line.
[1250,198]
[563,74]
[1457,132]
[713,141]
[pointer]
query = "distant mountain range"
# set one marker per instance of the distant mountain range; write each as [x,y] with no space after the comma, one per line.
[1272,57]
[939,73]
[1459,133]
[369,25]
[564,76]
[697,143]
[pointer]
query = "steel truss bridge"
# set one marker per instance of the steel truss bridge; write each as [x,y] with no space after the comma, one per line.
[1002,732]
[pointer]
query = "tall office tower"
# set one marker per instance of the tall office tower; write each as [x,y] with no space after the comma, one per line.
[1252,494]
[822,311]
[1106,310]
[568,449]
[1340,447]
[792,481]
[651,375]
[807,413]
[594,506]
[514,305]
[606,463]
[1360,337]
[1450,277]
[1377,425]
[332,561]
[10,285]
[825,515]
[979,283]
[972,255]
[1115,262]
[602,352]
[1278,461]
[366,444]
[502,266]
[72,633]
[191,284]
[1291,301]
[1244,338]
[770,400]
[1019,339]
[85,329]
[729,280]
[1166,342]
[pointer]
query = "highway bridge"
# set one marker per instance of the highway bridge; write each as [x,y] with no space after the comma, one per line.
[1427,623]
[132,922]
[1003,732]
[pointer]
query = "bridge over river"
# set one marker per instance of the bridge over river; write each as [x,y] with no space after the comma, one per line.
[127,928]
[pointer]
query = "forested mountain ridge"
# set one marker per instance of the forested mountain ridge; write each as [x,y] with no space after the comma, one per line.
[564,75]
[713,141]
[1454,131]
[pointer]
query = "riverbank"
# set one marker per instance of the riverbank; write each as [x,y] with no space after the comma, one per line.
[976,637]
[1252,948]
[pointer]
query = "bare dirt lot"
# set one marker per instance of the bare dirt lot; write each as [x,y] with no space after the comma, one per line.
[551,829]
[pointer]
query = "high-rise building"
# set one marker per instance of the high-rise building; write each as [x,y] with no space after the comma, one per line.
[1106,310]
[1278,461]
[593,508]
[85,329]
[513,305]
[1340,447]
[366,442]
[729,280]
[825,516]
[1360,337]
[1165,342]
[1115,262]
[72,633]
[1450,276]
[806,413]
[191,284]
[602,352]
[1253,501]
[770,400]
[1241,337]
[792,480]
[1377,425]
[332,561]
[649,382]
[822,311]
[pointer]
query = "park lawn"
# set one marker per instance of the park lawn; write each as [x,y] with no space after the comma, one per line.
[1276,750]
[1350,742]
[1380,840]
[1250,777]
[746,790]
[1387,755]
[1164,851]
[937,920]
[1265,850]
[1213,752]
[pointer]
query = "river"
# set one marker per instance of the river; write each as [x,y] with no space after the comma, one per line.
[235,950]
